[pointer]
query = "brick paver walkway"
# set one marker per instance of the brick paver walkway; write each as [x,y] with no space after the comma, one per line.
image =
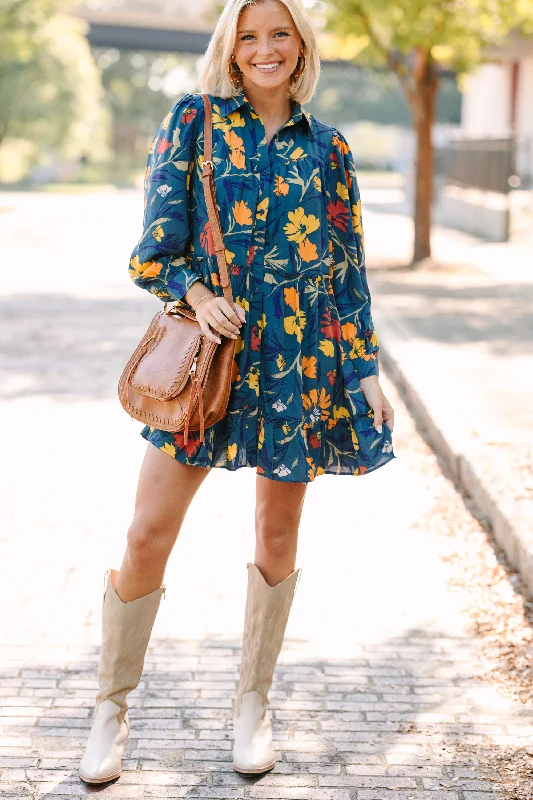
[378,692]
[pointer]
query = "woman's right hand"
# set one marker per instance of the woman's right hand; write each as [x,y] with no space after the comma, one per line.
[215,312]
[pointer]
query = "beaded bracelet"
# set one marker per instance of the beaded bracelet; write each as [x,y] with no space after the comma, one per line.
[200,300]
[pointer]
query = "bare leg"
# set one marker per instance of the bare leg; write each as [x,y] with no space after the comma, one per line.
[277,518]
[165,490]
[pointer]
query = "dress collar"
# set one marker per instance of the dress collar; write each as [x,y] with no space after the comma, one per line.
[229,104]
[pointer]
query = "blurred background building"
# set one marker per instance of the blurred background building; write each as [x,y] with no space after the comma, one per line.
[83,93]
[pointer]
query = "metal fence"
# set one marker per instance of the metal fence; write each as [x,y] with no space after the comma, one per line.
[495,165]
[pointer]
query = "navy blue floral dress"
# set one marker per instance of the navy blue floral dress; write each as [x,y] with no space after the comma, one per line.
[291,216]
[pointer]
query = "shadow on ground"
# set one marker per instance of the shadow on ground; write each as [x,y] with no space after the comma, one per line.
[68,347]
[398,716]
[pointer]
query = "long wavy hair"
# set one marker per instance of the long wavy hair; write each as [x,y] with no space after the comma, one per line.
[214,78]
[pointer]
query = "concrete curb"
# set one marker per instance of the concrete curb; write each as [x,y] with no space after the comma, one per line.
[508,526]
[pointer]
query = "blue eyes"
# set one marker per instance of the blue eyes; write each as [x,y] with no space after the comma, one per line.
[251,36]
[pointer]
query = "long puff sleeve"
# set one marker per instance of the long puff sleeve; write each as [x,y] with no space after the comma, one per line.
[158,263]
[359,341]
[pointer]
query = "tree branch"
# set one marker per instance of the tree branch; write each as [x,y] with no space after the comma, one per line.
[396,66]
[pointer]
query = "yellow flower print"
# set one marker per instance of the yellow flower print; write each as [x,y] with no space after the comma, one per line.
[296,324]
[149,269]
[252,379]
[311,470]
[321,402]
[307,250]
[285,428]
[231,452]
[243,303]
[290,296]
[236,120]
[169,448]
[309,366]
[326,345]
[239,343]
[261,322]
[280,362]
[261,210]
[280,186]
[298,153]
[355,440]
[261,437]
[359,350]
[229,256]
[300,225]
[242,214]
[236,149]
[342,190]
[318,183]
[158,233]
[356,217]
[339,412]
[374,339]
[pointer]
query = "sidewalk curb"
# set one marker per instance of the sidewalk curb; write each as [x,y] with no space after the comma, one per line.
[464,472]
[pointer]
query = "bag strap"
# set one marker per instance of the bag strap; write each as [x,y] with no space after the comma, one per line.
[211,203]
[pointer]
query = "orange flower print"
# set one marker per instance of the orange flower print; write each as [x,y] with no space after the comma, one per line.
[188,115]
[163,145]
[331,328]
[206,239]
[309,366]
[343,147]
[317,403]
[338,214]
[193,442]
[280,186]
[242,214]
[293,249]
[291,297]
[236,149]
[307,250]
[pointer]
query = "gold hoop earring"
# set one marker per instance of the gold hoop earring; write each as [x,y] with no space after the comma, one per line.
[234,75]
[300,68]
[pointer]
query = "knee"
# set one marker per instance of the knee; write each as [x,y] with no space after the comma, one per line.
[149,538]
[275,534]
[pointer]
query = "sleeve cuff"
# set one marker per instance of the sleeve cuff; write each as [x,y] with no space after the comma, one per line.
[181,281]
[366,367]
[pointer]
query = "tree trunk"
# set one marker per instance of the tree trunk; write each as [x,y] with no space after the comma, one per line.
[424,115]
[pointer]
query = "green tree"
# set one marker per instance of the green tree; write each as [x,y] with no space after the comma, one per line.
[50,87]
[415,39]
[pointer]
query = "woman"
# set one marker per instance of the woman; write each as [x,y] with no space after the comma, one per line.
[305,396]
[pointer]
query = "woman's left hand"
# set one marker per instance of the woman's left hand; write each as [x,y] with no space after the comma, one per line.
[383,411]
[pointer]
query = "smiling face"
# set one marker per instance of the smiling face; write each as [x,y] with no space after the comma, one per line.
[267,45]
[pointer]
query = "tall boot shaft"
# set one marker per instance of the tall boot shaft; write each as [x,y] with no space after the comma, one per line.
[126,630]
[265,620]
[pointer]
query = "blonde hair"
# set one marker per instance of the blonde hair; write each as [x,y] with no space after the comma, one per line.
[214,78]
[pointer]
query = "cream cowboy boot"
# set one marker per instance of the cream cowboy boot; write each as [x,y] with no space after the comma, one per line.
[265,620]
[126,629]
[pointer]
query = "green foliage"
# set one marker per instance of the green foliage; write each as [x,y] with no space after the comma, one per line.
[139,90]
[356,94]
[50,87]
[454,32]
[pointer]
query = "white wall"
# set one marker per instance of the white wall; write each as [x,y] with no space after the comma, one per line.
[524,116]
[486,108]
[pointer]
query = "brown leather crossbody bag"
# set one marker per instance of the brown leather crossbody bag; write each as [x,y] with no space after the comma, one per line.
[177,379]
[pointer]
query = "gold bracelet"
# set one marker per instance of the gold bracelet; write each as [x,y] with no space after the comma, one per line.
[200,300]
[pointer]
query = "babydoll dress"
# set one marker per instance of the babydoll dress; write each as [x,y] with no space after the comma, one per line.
[291,217]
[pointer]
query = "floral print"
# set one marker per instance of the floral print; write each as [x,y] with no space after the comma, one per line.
[291,216]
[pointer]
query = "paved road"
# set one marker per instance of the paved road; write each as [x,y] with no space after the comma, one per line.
[379,691]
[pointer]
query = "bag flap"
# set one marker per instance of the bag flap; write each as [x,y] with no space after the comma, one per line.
[166,357]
